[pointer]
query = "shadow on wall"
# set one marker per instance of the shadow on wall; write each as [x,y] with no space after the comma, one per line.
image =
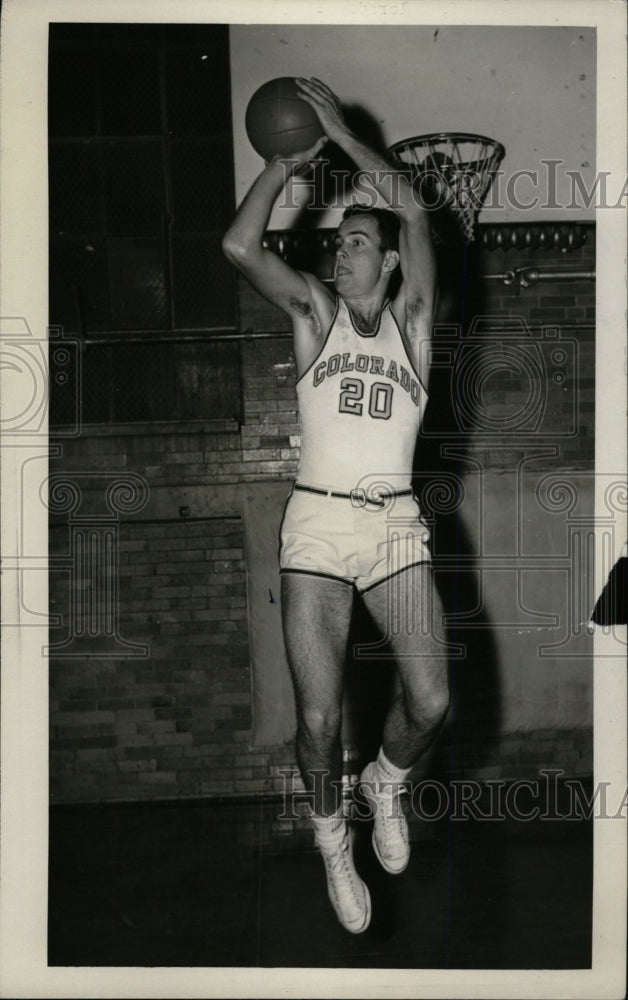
[442,459]
[333,184]
[474,717]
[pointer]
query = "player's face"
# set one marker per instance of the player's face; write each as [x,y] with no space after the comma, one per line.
[359,258]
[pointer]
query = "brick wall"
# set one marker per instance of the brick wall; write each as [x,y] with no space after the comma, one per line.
[176,723]
[163,710]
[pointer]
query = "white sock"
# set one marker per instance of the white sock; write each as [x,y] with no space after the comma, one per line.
[389,771]
[329,826]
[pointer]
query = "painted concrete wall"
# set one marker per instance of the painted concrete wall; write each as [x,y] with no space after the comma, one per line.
[516,578]
[532,88]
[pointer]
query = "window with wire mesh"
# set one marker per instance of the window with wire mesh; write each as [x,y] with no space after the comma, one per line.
[141,191]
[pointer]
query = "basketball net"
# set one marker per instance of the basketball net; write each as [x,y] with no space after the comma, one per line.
[451,171]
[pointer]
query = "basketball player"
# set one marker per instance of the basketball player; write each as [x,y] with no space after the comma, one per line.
[361,377]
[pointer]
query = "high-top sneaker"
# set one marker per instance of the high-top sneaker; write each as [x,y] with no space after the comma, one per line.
[349,895]
[391,842]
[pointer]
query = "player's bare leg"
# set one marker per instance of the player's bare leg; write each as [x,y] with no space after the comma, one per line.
[408,611]
[316,615]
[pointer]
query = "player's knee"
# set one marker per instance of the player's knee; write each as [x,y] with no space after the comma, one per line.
[321,724]
[430,707]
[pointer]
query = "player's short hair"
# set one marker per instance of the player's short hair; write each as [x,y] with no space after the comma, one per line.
[387,224]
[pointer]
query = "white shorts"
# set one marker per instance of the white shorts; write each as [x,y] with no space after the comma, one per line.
[333,537]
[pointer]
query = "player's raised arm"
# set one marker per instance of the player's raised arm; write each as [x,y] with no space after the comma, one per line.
[416,250]
[242,243]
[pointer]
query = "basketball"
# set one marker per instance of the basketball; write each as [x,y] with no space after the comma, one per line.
[278,122]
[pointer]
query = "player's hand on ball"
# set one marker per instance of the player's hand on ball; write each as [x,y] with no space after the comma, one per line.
[309,155]
[327,106]
[300,162]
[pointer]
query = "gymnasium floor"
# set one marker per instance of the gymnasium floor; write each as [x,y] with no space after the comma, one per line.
[180,885]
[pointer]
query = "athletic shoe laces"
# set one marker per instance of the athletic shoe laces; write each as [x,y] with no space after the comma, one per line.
[389,811]
[344,876]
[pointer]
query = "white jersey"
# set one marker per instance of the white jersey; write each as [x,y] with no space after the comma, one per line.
[360,405]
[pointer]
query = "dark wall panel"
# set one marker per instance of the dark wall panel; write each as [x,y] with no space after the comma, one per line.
[141,191]
[140,143]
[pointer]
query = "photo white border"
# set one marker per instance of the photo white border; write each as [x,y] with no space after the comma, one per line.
[24,268]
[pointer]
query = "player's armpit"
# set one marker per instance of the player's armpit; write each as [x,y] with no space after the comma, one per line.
[311,322]
[415,320]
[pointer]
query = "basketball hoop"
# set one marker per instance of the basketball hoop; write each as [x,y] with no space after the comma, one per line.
[451,170]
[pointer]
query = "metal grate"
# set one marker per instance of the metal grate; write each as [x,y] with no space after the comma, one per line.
[140,127]
[197,85]
[134,190]
[145,382]
[137,283]
[130,89]
[79,287]
[141,190]
[202,185]
[203,281]
[72,108]
[76,190]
